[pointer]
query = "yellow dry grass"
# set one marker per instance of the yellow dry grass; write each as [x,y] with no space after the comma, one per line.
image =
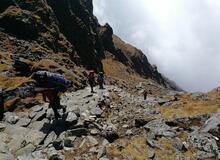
[118,70]
[168,152]
[188,107]
[136,148]
[13,82]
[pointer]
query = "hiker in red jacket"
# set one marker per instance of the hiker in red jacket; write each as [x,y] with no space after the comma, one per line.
[91,80]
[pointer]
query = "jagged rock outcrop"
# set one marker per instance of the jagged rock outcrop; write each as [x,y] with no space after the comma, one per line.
[59,36]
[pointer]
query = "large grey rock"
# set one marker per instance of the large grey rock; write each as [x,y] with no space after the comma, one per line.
[205,142]
[50,138]
[23,122]
[39,115]
[36,155]
[37,108]
[6,156]
[159,128]
[11,117]
[212,123]
[43,126]
[29,148]
[19,137]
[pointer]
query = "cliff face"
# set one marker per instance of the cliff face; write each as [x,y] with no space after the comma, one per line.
[62,36]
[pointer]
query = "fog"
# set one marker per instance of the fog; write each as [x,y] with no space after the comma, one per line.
[180,36]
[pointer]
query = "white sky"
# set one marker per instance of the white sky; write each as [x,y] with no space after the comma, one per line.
[182,37]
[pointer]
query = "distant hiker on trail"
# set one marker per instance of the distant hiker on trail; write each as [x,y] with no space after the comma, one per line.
[50,85]
[91,80]
[146,92]
[100,80]
[1,104]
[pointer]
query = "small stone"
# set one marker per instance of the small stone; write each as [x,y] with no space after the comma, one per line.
[58,144]
[151,153]
[77,132]
[68,143]
[101,152]
[94,131]
[92,141]
[96,111]
[50,114]
[125,126]
[129,132]
[71,118]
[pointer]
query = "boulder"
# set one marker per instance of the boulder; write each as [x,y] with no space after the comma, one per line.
[50,138]
[23,122]
[159,128]
[205,143]
[11,117]
[20,137]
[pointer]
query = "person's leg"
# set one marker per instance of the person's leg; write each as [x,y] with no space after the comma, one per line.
[101,85]
[52,95]
[44,97]
[91,85]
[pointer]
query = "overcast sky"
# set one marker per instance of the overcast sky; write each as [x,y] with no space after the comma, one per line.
[182,37]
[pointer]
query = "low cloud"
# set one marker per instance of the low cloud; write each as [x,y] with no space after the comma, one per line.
[180,36]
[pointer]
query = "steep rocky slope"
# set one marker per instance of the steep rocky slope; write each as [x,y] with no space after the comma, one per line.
[62,36]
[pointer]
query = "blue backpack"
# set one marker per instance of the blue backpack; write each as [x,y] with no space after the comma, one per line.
[49,79]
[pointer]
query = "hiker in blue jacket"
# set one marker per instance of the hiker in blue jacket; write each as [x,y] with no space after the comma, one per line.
[100,80]
[50,85]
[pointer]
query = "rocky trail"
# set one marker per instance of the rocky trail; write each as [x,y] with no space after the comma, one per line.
[109,124]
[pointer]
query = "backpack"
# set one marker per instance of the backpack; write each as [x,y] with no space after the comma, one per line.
[100,78]
[50,80]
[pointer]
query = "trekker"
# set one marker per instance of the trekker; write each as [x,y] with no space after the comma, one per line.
[1,104]
[146,92]
[50,85]
[100,80]
[91,80]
